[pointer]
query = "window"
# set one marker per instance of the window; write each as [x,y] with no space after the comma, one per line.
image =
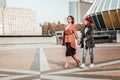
[107,20]
[115,19]
[100,6]
[71,8]
[114,4]
[96,22]
[101,21]
[95,7]
[119,4]
[90,1]
[106,6]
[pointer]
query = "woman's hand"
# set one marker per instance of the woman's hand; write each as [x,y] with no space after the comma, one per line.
[63,44]
[85,39]
[78,42]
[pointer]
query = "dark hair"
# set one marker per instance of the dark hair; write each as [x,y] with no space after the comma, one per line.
[71,18]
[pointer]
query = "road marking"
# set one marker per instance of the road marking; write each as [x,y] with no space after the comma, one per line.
[43,61]
[52,77]
[20,71]
[79,69]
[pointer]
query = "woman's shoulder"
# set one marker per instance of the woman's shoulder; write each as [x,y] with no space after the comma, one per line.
[73,26]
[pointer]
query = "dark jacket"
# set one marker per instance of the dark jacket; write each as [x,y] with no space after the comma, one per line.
[89,35]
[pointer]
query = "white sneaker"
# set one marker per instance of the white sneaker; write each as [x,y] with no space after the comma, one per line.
[82,65]
[91,65]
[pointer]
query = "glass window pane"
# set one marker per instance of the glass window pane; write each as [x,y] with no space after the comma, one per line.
[71,8]
[119,4]
[96,22]
[2,3]
[95,7]
[119,12]
[114,18]
[100,18]
[91,9]
[100,6]
[107,4]
[107,20]
[114,4]
[91,1]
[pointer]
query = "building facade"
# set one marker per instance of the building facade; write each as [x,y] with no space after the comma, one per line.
[1,28]
[2,3]
[78,9]
[89,1]
[74,10]
[19,21]
[106,18]
[105,14]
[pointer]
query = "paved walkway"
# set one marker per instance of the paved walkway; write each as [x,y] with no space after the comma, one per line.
[107,62]
[56,56]
[19,62]
[45,62]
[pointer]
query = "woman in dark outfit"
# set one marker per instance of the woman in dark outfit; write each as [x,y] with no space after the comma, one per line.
[70,34]
[87,42]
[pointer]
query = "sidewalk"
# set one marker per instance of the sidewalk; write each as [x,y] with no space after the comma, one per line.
[56,56]
[19,62]
[107,62]
[26,62]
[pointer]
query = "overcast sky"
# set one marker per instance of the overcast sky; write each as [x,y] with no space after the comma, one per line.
[47,10]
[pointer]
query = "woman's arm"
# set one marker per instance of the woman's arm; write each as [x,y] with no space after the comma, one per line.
[75,32]
[90,33]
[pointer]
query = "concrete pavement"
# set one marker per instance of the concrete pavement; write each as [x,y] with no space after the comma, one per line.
[107,62]
[45,62]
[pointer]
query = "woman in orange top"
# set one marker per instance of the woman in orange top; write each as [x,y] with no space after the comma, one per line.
[70,34]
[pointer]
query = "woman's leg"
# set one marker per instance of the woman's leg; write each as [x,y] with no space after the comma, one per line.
[84,55]
[91,55]
[76,60]
[67,55]
[84,58]
[91,58]
[67,62]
